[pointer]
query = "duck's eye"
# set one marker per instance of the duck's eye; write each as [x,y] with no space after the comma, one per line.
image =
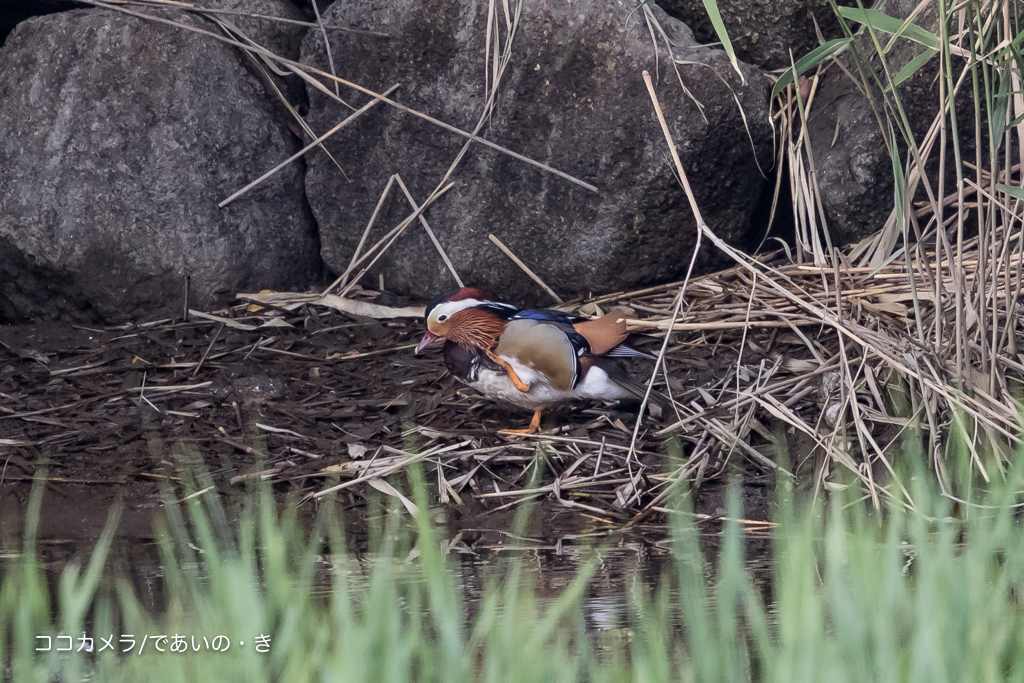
[441,318]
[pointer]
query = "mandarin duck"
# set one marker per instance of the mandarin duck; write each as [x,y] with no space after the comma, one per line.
[531,358]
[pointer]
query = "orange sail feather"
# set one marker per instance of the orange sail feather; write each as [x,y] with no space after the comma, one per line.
[605,333]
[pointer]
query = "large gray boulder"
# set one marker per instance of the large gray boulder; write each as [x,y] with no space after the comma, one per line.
[118,138]
[852,162]
[768,33]
[573,97]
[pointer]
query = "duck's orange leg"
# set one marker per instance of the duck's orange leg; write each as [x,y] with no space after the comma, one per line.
[519,384]
[534,427]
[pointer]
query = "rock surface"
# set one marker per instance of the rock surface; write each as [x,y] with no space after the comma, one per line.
[118,137]
[280,37]
[854,170]
[572,97]
[763,32]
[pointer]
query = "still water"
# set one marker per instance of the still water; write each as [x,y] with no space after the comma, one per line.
[555,545]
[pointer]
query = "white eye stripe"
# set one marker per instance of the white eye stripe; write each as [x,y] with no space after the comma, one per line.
[446,310]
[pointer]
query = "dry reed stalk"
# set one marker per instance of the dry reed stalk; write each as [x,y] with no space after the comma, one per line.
[430,232]
[526,269]
[316,143]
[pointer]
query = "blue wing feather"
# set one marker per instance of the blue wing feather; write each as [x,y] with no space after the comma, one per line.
[502,310]
[548,315]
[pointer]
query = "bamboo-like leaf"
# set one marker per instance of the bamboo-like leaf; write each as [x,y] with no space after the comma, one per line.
[998,106]
[880,21]
[809,61]
[899,187]
[1013,191]
[1016,121]
[913,66]
[711,7]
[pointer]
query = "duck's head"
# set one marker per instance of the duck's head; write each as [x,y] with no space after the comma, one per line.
[469,317]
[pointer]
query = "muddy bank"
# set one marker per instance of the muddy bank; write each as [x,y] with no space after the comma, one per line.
[306,400]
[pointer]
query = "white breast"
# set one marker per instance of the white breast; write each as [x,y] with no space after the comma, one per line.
[596,385]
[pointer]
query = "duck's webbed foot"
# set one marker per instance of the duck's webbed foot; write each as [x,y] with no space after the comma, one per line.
[534,428]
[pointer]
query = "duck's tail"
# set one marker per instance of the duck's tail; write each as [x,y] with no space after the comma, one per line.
[623,351]
[617,374]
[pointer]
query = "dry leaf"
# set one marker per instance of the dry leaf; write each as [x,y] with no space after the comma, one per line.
[253,308]
[234,324]
[799,366]
[891,307]
[364,309]
[390,490]
[279,430]
[709,400]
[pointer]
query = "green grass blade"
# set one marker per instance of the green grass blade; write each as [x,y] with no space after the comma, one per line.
[880,21]
[1015,192]
[809,61]
[913,66]
[899,186]
[711,6]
